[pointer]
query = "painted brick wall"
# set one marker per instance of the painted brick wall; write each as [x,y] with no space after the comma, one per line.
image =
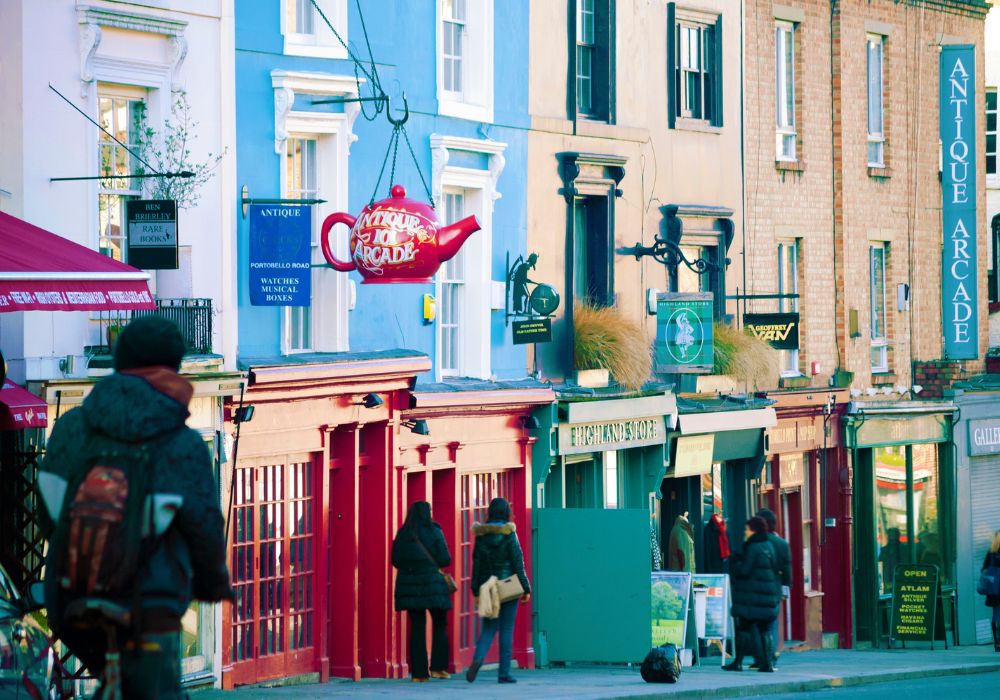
[835,203]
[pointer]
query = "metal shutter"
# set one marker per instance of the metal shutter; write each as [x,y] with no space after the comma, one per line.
[985,521]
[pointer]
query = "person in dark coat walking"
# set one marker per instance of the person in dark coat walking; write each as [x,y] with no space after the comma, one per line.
[783,564]
[497,553]
[716,545]
[419,552]
[756,596]
[139,410]
[993,601]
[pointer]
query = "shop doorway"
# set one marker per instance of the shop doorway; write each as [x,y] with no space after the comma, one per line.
[272,560]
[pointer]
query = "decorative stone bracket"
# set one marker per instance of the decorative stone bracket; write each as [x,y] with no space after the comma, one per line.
[441,147]
[91,19]
[287,84]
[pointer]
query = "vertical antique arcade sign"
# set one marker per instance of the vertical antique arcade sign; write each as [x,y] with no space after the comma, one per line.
[957,116]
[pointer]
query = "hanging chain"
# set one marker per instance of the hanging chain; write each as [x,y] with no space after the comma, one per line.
[420,172]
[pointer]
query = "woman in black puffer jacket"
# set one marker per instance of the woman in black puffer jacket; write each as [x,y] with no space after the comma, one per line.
[756,596]
[419,552]
[497,553]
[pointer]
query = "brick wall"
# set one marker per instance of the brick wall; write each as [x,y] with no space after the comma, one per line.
[834,202]
[934,376]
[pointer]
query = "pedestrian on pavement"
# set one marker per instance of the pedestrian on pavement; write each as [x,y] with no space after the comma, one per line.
[756,596]
[783,564]
[420,553]
[138,529]
[680,546]
[992,559]
[497,553]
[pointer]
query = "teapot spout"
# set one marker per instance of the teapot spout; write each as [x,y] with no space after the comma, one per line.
[451,238]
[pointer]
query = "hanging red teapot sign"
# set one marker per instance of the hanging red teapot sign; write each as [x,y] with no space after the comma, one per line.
[396,240]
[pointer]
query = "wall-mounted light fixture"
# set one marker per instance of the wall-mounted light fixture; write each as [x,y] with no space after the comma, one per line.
[370,400]
[530,423]
[417,427]
[243,414]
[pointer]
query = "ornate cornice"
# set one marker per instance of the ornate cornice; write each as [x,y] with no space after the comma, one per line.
[287,84]
[441,148]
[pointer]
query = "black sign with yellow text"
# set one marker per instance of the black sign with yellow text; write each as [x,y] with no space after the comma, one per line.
[536,330]
[780,330]
[914,602]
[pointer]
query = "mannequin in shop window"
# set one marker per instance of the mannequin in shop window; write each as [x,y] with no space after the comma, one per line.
[680,548]
[716,546]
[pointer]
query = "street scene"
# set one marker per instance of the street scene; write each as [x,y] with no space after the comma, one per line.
[528,348]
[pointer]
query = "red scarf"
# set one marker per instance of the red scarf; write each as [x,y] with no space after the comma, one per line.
[720,525]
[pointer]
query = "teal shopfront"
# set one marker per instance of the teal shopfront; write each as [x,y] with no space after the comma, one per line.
[903,474]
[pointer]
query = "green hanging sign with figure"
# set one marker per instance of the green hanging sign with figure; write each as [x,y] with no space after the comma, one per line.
[684,333]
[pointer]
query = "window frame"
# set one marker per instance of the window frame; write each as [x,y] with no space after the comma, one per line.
[875,139]
[589,48]
[709,25]
[790,358]
[602,50]
[320,43]
[288,313]
[878,343]
[475,101]
[785,91]
[992,177]
[444,279]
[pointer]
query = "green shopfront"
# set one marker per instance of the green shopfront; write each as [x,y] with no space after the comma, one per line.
[597,463]
[904,505]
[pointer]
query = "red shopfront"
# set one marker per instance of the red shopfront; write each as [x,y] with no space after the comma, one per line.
[801,483]
[322,484]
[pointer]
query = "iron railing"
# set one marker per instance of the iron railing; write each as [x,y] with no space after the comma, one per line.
[192,316]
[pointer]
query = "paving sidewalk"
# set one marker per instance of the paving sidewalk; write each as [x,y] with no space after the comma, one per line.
[801,671]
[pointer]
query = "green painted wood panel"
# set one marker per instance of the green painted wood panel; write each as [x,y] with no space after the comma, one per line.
[592,584]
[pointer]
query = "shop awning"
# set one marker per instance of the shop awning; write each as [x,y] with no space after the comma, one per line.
[41,271]
[20,409]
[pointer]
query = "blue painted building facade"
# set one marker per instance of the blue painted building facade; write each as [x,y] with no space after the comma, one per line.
[362,404]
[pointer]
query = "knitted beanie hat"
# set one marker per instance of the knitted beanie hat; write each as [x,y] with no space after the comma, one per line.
[149,341]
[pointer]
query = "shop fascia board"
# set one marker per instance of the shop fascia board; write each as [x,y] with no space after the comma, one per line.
[599,411]
[513,398]
[74,391]
[807,398]
[725,421]
[875,408]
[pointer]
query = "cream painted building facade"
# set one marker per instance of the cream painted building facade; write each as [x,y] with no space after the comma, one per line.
[638,108]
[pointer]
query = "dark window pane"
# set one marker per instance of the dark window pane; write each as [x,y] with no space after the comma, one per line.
[991,99]
[991,165]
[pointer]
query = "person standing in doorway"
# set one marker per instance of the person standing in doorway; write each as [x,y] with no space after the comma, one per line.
[993,601]
[783,568]
[419,552]
[497,553]
[756,596]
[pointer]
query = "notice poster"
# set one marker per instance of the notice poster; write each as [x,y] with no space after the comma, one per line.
[671,598]
[280,255]
[914,602]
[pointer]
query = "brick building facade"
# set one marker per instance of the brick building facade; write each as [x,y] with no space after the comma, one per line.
[835,200]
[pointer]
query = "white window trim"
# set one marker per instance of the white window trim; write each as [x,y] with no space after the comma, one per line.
[790,305]
[322,43]
[992,179]
[881,343]
[477,64]
[878,138]
[781,132]
[334,132]
[475,349]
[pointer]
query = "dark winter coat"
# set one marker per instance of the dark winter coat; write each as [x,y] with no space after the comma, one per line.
[122,412]
[419,583]
[755,584]
[497,553]
[992,601]
[715,563]
[782,558]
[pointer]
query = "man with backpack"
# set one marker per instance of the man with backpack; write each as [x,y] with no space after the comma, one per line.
[137,528]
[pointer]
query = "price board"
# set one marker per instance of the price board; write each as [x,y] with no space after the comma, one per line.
[717,604]
[914,603]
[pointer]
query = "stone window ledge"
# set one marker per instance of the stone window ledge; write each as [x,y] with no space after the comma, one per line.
[794,166]
[883,172]
[883,379]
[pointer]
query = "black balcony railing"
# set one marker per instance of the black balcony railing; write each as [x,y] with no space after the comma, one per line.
[192,316]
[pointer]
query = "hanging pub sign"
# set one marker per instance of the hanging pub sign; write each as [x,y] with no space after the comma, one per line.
[780,330]
[280,254]
[684,333]
[396,240]
[151,225]
[959,276]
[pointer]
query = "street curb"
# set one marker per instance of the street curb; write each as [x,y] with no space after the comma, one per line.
[756,690]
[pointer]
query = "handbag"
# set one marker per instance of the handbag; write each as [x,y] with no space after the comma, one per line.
[510,588]
[989,581]
[449,580]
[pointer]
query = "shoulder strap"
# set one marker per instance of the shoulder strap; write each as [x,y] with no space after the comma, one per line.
[416,538]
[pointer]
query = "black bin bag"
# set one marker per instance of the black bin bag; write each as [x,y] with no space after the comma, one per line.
[661,665]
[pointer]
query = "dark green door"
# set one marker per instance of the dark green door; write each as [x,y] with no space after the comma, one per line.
[589,562]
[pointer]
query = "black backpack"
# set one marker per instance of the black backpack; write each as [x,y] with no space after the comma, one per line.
[661,665]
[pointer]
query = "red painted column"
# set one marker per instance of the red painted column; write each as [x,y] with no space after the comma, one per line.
[445,507]
[343,593]
[524,652]
[322,559]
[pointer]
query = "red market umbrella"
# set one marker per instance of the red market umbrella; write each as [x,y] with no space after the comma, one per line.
[41,271]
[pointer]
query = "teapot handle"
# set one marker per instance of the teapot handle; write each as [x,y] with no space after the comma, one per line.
[324,239]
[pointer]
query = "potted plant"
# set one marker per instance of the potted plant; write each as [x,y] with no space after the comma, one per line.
[744,357]
[993,360]
[115,327]
[607,343]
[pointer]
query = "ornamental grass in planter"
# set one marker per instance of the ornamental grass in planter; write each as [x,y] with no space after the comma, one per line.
[745,357]
[605,339]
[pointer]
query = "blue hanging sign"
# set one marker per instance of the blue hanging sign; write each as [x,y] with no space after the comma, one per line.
[957,112]
[280,255]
